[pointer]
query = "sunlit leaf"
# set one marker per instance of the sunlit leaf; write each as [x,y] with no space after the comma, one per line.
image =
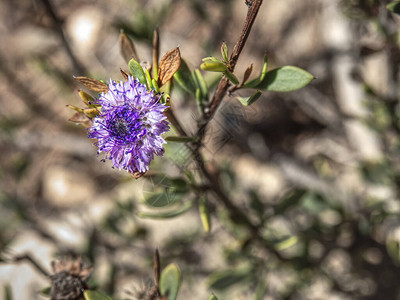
[246,101]
[137,71]
[223,279]
[213,64]
[170,281]
[94,295]
[285,79]
[213,297]
[185,78]
[232,78]
[394,7]
[224,52]
[204,214]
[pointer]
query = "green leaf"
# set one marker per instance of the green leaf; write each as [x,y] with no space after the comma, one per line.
[166,191]
[213,297]
[149,82]
[185,78]
[393,248]
[7,292]
[46,291]
[246,101]
[213,64]
[285,79]
[260,290]
[137,71]
[181,139]
[155,85]
[256,81]
[394,7]
[168,214]
[201,83]
[93,295]
[223,279]
[224,52]
[232,78]
[170,281]
[286,243]
[204,214]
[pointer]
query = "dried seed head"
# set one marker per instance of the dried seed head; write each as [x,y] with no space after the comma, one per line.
[69,279]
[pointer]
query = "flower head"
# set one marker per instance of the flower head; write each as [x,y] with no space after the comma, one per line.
[129,125]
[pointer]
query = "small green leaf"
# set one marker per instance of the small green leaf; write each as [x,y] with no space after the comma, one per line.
[393,248]
[137,71]
[181,139]
[287,243]
[232,78]
[93,295]
[204,214]
[224,52]
[155,85]
[246,101]
[201,83]
[212,59]
[184,78]
[214,66]
[168,214]
[223,279]
[149,82]
[285,79]
[45,291]
[170,281]
[213,297]
[256,81]
[394,7]
[260,290]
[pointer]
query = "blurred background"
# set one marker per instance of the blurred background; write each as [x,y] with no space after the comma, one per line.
[317,168]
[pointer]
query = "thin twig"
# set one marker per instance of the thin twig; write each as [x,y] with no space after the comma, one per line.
[224,83]
[32,261]
[174,121]
[157,268]
[58,26]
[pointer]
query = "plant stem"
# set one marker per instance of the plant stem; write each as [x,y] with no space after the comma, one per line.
[224,83]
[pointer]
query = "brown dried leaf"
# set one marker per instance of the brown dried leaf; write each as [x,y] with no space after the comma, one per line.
[93,84]
[124,74]
[247,73]
[137,175]
[81,119]
[169,64]
[127,48]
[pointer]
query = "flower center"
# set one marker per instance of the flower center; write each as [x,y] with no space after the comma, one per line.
[125,125]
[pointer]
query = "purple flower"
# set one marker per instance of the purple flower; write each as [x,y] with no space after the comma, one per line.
[129,125]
